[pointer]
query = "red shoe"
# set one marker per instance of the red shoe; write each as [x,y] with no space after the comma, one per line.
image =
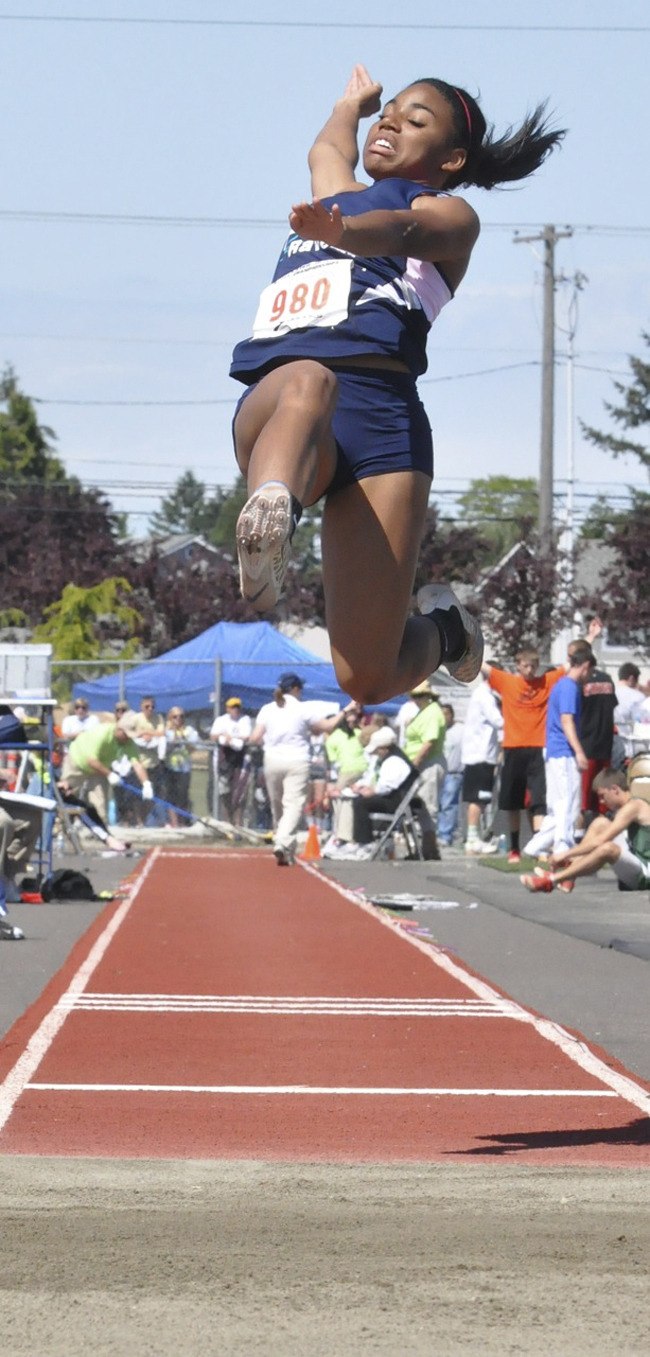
[565,886]
[538,881]
[514,856]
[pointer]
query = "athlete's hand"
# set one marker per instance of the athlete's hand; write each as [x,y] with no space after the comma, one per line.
[313,221]
[364,92]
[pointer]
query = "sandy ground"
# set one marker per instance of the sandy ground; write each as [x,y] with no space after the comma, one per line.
[128,1259]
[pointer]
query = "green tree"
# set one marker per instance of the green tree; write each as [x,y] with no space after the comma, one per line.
[26,452]
[83,622]
[623,598]
[631,412]
[228,509]
[502,508]
[519,603]
[186,509]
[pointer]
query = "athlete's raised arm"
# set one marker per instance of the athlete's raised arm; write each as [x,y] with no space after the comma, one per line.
[335,153]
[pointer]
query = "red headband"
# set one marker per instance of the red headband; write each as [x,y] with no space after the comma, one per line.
[466,110]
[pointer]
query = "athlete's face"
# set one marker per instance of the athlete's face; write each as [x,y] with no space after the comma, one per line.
[612,798]
[414,139]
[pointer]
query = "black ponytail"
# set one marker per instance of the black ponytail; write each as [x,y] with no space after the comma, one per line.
[491,161]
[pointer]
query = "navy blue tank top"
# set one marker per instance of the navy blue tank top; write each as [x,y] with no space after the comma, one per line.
[326,304]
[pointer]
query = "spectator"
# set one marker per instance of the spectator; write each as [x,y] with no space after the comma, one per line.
[88,765]
[453,779]
[283,728]
[180,739]
[392,774]
[424,744]
[622,842]
[565,758]
[524,699]
[346,754]
[596,734]
[629,699]
[480,752]
[230,733]
[149,737]
[381,791]
[78,719]
[407,713]
[20,830]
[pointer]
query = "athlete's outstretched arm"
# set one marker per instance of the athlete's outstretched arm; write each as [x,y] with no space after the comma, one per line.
[334,154]
[433,229]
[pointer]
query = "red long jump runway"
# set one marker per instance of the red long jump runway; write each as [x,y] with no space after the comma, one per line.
[231,1009]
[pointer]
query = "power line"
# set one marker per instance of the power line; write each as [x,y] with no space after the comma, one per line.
[213,223]
[147,22]
[228,400]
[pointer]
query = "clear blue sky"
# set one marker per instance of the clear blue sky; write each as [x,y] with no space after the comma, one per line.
[213,120]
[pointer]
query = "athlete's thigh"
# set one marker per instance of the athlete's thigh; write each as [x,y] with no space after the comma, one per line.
[257,406]
[371,538]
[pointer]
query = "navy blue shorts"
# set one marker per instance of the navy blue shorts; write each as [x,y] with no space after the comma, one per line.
[380,425]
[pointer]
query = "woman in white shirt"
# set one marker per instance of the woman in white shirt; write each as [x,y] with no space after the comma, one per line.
[283,727]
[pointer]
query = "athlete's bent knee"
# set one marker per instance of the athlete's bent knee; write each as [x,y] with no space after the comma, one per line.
[308,382]
[363,685]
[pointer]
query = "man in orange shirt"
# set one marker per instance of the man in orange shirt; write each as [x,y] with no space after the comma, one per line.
[524,698]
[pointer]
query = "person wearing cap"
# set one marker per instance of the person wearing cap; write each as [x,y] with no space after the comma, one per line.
[424,743]
[392,775]
[88,765]
[283,727]
[230,733]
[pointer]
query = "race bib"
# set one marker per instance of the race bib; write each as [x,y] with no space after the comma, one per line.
[315,294]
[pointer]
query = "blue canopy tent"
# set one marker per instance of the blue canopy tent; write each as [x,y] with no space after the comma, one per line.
[242,659]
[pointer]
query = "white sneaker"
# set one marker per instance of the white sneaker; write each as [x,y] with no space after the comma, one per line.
[441,596]
[264,530]
[473,846]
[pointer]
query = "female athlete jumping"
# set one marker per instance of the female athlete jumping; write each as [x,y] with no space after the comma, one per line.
[337,344]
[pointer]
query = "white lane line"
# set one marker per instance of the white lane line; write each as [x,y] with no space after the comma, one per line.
[300,1089]
[574,1049]
[39,1044]
[286,1005]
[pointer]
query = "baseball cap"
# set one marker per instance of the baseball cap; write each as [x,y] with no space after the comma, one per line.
[233,702]
[382,739]
[288,681]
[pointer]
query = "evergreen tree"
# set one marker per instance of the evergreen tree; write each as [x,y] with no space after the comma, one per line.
[632,412]
[26,454]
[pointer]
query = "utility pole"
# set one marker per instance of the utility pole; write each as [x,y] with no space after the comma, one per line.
[549,237]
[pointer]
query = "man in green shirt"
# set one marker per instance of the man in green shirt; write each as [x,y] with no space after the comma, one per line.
[88,765]
[424,742]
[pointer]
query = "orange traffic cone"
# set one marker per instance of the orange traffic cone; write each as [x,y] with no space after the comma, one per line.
[311,850]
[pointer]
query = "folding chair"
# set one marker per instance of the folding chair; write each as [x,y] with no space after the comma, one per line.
[401,820]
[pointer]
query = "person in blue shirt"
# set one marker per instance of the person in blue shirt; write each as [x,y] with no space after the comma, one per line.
[337,343]
[565,758]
